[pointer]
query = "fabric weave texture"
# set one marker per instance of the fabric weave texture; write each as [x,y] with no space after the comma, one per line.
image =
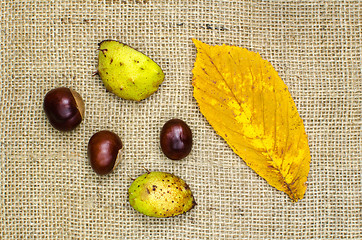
[48,189]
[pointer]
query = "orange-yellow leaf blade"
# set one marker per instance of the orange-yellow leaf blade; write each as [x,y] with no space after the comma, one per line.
[247,103]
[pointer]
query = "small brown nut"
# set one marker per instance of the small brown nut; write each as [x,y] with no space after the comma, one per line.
[104,150]
[176,139]
[64,108]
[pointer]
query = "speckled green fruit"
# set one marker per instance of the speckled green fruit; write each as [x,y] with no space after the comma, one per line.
[127,72]
[159,194]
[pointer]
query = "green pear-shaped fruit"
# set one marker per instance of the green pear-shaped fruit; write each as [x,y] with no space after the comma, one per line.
[127,72]
[159,194]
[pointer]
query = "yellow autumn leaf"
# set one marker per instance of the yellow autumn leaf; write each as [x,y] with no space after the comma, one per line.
[243,98]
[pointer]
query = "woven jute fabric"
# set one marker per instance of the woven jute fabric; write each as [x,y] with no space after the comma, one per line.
[48,189]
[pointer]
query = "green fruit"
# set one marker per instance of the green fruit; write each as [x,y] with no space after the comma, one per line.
[127,72]
[159,194]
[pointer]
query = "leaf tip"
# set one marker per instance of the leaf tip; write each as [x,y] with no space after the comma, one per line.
[198,43]
[295,199]
[195,41]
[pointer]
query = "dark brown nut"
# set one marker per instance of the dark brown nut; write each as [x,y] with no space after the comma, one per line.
[176,139]
[64,108]
[104,150]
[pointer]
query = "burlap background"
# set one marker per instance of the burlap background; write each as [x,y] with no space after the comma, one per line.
[49,191]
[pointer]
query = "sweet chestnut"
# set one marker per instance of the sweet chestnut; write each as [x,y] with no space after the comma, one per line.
[104,150]
[64,108]
[176,139]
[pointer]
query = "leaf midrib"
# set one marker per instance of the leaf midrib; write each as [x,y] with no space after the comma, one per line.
[234,96]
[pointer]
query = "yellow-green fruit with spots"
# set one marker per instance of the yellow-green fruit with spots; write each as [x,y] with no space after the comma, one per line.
[127,72]
[160,194]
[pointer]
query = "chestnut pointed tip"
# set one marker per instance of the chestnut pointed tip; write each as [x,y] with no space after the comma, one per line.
[79,101]
[118,158]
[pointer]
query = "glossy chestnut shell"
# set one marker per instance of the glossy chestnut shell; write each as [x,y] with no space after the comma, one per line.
[104,150]
[176,139]
[64,108]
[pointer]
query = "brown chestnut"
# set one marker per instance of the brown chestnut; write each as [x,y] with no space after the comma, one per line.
[176,139]
[64,108]
[104,150]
